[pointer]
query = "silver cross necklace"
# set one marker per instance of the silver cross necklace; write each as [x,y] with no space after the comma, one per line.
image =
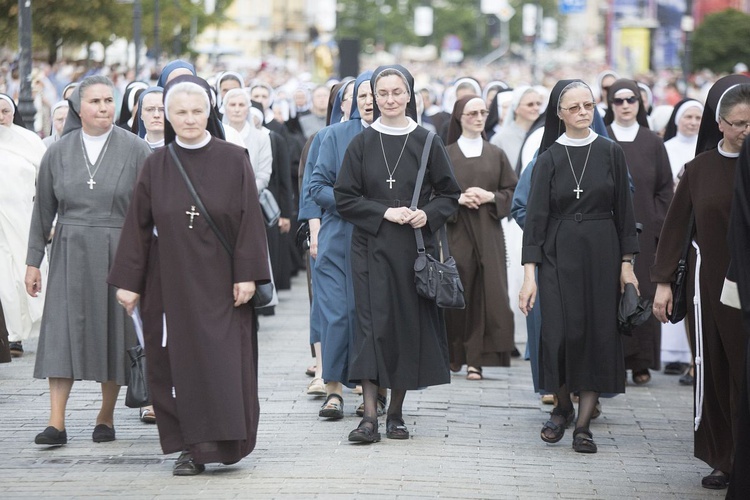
[91,180]
[578,189]
[390,180]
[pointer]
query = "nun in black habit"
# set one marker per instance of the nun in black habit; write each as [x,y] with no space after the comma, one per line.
[400,340]
[580,233]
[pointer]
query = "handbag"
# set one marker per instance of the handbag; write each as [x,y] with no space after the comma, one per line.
[264,293]
[137,394]
[269,207]
[302,237]
[679,286]
[434,279]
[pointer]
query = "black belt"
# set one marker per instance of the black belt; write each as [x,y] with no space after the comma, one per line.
[393,203]
[578,217]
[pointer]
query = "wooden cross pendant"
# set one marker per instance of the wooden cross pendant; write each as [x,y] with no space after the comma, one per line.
[193,214]
[390,183]
[578,192]
[91,183]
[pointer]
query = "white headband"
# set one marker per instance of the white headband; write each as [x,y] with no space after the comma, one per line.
[10,101]
[681,111]
[718,104]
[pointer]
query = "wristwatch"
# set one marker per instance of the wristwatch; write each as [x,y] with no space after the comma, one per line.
[631,261]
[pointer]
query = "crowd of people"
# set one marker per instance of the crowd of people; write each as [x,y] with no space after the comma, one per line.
[553,200]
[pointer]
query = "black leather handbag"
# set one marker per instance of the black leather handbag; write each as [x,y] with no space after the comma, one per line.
[435,280]
[680,283]
[137,394]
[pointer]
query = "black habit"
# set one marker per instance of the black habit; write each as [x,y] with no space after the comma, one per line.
[579,263]
[185,278]
[400,340]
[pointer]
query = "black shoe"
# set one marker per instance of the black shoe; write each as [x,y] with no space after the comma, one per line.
[687,379]
[186,466]
[675,368]
[16,349]
[364,433]
[333,407]
[51,437]
[103,434]
[515,353]
[583,441]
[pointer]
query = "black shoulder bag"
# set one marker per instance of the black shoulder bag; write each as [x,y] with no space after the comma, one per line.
[263,293]
[435,280]
[679,286]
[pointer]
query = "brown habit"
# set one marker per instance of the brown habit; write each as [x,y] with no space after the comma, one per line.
[481,334]
[185,275]
[649,169]
[706,188]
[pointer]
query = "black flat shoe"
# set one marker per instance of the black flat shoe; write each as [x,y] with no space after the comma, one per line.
[395,428]
[687,379]
[364,433]
[51,437]
[583,441]
[186,466]
[675,368]
[558,430]
[717,480]
[103,434]
[16,349]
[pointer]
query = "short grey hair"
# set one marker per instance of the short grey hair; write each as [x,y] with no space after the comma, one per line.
[188,88]
[90,81]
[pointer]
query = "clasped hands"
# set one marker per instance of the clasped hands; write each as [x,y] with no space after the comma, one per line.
[405,215]
[473,197]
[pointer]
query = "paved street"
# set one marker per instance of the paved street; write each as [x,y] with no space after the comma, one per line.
[469,440]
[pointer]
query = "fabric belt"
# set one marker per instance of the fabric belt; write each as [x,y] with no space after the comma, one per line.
[579,217]
[112,222]
[393,203]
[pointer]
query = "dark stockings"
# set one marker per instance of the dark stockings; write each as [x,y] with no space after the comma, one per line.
[586,405]
[370,396]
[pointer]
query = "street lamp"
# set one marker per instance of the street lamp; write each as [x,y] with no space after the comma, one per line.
[137,16]
[25,101]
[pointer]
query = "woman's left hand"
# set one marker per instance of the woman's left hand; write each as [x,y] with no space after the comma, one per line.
[627,275]
[243,292]
[416,219]
[284,225]
[481,196]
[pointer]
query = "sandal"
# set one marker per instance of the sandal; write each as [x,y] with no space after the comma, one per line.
[316,387]
[583,441]
[641,377]
[558,430]
[381,406]
[395,428]
[364,433]
[147,415]
[473,373]
[332,408]
[717,480]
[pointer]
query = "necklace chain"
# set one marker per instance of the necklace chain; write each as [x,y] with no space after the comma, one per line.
[91,181]
[390,180]
[578,189]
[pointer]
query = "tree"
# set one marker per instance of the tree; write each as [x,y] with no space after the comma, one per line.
[721,41]
[71,22]
[391,22]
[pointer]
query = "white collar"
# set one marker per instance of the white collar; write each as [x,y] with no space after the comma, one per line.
[155,145]
[625,134]
[96,138]
[687,139]
[388,130]
[471,148]
[565,140]
[205,141]
[726,154]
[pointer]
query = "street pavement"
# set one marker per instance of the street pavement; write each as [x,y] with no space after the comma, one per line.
[469,439]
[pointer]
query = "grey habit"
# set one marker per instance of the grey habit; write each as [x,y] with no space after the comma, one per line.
[84,331]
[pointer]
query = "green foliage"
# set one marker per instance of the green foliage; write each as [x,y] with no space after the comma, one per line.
[366,20]
[721,41]
[71,22]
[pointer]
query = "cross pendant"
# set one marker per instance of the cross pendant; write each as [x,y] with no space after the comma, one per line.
[578,192]
[390,183]
[91,183]
[192,213]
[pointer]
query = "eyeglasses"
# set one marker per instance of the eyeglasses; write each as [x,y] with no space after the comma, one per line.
[618,101]
[397,93]
[588,106]
[475,114]
[738,126]
[151,110]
